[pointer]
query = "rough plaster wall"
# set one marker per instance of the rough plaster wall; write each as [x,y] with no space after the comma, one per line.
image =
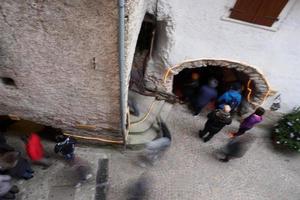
[163,44]
[48,47]
[135,12]
[200,33]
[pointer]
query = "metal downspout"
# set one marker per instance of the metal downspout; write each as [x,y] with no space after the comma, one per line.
[121,41]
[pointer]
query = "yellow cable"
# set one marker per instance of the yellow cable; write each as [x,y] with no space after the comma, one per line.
[95,138]
[145,116]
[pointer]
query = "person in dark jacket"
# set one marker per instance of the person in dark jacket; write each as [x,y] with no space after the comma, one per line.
[232,97]
[205,94]
[65,146]
[217,119]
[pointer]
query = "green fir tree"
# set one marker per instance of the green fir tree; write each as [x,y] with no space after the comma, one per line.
[287,130]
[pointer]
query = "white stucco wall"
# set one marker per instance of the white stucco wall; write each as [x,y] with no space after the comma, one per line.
[199,32]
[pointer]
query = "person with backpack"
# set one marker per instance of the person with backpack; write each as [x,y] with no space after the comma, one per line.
[232,97]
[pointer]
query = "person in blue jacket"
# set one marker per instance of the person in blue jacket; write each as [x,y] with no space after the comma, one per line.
[232,97]
[205,94]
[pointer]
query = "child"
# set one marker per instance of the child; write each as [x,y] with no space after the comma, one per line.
[250,121]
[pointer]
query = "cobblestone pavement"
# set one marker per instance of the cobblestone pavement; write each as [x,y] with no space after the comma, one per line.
[189,170]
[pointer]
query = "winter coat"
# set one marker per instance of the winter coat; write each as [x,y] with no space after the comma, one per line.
[217,119]
[34,147]
[22,167]
[250,121]
[232,98]
[5,184]
[205,94]
[65,147]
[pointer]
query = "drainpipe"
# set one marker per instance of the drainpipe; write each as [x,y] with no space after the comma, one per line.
[123,106]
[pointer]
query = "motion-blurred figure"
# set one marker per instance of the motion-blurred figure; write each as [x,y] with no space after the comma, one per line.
[204,95]
[7,190]
[82,170]
[235,148]
[157,147]
[35,150]
[138,190]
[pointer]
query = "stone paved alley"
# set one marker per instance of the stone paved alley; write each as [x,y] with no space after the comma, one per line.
[187,171]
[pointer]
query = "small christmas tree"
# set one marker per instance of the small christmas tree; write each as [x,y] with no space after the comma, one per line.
[287,130]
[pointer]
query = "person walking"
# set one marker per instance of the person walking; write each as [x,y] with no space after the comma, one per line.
[217,119]
[250,122]
[205,94]
[35,150]
[235,148]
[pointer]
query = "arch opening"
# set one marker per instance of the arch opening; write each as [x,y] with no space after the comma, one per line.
[255,86]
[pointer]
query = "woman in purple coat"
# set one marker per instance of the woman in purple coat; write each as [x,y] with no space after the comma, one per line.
[250,121]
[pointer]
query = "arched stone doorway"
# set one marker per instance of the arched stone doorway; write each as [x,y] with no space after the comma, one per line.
[254,82]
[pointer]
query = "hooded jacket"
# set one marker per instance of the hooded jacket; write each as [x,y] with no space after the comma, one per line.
[34,147]
[217,119]
[232,98]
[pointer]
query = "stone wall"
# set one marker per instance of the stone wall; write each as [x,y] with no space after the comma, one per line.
[198,29]
[63,58]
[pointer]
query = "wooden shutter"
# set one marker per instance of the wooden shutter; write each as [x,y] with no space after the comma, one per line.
[262,12]
[269,11]
[245,10]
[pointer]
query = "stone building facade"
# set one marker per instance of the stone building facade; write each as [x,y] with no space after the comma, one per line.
[59,59]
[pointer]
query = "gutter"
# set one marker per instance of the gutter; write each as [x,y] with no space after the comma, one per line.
[121,41]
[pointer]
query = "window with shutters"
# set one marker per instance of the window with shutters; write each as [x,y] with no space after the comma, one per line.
[261,12]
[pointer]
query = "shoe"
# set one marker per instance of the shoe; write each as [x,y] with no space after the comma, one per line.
[14,189]
[205,140]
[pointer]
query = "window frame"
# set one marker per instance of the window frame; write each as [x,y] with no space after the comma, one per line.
[275,27]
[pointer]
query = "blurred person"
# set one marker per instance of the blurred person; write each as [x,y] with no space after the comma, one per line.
[157,147]
[250,122]
[138,190]
[189,88]
[217,119]
[82,170]
[7,190]
[235,148]
[35,150]
[204,96]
